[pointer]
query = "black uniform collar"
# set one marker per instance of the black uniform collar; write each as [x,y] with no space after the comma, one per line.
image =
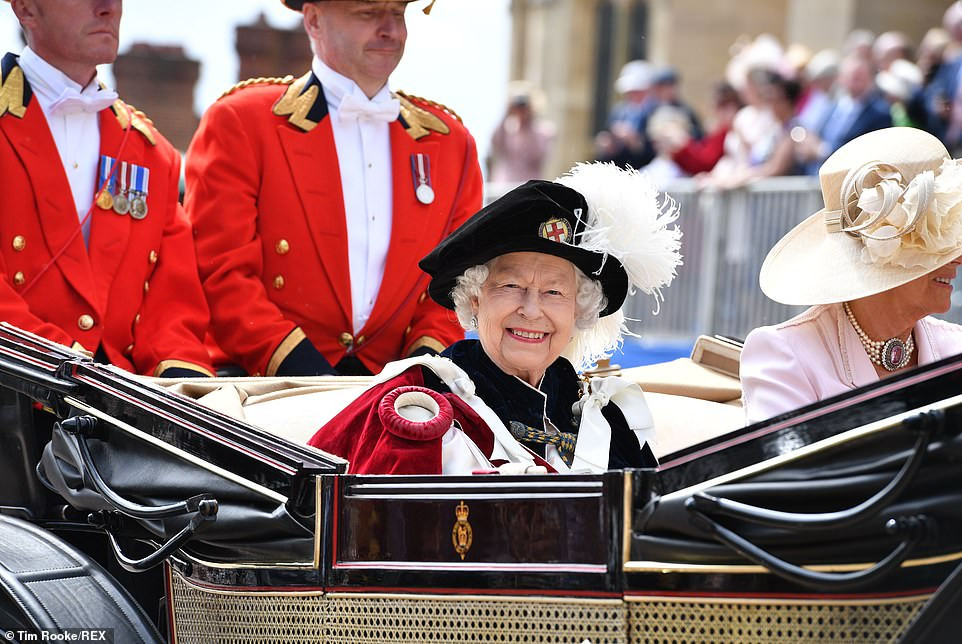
[513,399]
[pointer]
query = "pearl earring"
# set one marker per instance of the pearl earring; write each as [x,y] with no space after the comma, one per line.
[474,321]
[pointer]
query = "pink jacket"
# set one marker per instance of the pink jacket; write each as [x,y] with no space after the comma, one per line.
[816,355]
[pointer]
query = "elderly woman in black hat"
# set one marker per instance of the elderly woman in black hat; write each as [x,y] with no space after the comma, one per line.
[873,265]
[541,274]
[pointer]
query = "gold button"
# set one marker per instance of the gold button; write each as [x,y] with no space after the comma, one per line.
[407,330]
[360,339]
[130,347]
[423,297]
[85,322]
[282,247]
[346,339]
[279,282]
[19,243]
[152,257]
[146,286]
[137,318]
[18,278]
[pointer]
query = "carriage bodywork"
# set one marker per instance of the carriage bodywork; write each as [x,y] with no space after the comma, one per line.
[838,521]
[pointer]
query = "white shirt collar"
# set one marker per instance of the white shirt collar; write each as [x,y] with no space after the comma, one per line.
[337,86]
[47,81]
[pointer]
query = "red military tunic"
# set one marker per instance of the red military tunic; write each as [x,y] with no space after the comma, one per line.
[264,195]
[135,293]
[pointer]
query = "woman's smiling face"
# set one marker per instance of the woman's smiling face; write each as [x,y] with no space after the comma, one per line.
[526,312]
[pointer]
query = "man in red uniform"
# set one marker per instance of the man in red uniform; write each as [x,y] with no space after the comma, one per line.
[95,251]
[314,198]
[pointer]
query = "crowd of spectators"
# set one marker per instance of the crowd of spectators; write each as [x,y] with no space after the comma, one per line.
[784,110]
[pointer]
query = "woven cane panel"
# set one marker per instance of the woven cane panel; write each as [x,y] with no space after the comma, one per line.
[202,616]
[206,616]
[657,622]
[362,619]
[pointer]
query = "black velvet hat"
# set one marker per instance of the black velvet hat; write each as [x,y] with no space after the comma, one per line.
[539,216]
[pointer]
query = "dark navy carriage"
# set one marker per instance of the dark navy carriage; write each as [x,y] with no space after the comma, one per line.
[841,522]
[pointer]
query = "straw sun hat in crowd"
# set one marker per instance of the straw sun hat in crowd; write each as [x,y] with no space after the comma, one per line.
[893,213]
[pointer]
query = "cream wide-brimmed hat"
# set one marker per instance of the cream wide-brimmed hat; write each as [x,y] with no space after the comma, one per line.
[893,212]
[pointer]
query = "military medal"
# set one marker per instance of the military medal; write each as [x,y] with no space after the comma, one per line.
[104,200]
[139,176]
[121,203]
[421,173]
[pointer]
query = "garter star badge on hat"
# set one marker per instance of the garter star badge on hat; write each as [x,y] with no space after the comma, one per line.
[557,230]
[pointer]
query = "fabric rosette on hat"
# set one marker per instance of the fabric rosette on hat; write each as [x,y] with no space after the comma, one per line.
[609,222]
[893,212]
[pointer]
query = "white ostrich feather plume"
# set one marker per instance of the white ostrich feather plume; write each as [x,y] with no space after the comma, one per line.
[629,221]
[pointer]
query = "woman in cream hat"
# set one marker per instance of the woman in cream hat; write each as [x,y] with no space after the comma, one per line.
[873,264]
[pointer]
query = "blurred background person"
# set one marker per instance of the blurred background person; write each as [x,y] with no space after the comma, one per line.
[797,56]
[858,108]
[818,83]
[623,140]
[750,69]
[664,90]
[773,155]
[697,156]
[901,85]
[522,140]
[944,93]
[668,127]
[890,46]
[858,42]
[931,52]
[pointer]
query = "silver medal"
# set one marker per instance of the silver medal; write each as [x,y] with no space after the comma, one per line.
[424,193]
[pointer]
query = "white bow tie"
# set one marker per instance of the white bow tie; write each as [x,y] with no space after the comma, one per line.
[358,107]
[91,100]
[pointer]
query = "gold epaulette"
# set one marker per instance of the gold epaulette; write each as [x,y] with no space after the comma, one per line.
[297,103]
[419,122]
[137,119]
[11,93]
[444,108]
[260,80]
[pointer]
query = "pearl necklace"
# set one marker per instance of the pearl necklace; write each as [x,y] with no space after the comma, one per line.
[891,354]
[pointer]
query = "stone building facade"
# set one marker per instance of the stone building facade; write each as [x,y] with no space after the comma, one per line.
[160,80]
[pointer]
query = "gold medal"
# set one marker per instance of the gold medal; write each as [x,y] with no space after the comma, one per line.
[105,200]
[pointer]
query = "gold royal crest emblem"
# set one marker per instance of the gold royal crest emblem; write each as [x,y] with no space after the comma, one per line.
[557,230]
[461,533]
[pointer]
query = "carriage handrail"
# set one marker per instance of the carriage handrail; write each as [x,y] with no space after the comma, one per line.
[912,529]
[928,424]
